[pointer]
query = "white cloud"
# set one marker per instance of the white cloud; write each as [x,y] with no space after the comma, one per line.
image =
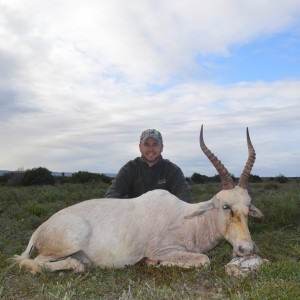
[140,40]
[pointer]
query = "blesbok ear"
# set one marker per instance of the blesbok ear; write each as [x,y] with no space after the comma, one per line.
[202,210]
[255,212]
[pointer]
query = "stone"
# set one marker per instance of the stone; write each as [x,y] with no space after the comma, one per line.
[242,266]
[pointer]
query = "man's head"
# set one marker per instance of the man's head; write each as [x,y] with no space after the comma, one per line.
[151,146]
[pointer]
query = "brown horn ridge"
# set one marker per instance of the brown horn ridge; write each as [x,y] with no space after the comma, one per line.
[226,179]
[243,182]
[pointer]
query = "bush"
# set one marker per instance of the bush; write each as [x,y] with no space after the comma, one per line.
[254,178]
[198,178]
[36,209]
[106,179]
[12,178]
[38,176]
[4,178]
[84,177]
[281,178]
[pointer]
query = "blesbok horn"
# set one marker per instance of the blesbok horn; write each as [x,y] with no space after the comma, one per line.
[243,182]
[226,179]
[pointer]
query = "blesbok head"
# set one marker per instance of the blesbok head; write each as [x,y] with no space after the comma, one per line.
[232,204]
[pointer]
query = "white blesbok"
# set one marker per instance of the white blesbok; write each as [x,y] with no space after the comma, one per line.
[155,228]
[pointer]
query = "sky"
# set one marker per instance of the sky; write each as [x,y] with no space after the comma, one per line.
[80,81]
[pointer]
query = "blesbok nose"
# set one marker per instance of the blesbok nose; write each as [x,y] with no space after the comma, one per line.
[246,249]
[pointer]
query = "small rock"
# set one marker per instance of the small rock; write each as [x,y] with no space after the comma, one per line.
[242,266]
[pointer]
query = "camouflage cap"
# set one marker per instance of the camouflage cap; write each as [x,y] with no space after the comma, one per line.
[151,133]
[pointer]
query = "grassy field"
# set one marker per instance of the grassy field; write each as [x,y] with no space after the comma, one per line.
[22,209]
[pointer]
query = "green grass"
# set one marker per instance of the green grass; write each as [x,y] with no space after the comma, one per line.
[22,209]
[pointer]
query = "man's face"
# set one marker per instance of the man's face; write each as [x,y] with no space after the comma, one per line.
[151,151]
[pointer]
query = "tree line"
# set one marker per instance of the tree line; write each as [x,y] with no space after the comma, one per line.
[42,176]
[198,178]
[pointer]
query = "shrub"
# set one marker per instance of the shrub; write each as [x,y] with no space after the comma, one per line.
[254,178]
[281,178]
[36,209]
[84,177]
[37,176]
[198,178]
[4,178]
[12,178]
[105,178]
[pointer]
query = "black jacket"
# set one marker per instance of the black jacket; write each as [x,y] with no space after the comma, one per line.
[136,178]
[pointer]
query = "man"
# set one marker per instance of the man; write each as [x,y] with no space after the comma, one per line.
[149,172]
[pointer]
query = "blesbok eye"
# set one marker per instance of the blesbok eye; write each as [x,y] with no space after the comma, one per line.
[226,206]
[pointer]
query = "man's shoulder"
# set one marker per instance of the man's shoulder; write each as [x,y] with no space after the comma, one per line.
[134,162]
[129,168]
[170,164]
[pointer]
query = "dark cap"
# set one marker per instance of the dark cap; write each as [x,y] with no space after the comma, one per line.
[151,133]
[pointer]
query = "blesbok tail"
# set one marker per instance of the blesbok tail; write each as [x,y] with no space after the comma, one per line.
[24,260]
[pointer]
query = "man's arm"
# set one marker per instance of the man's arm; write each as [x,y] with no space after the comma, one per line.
[120,185]
[179,186]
